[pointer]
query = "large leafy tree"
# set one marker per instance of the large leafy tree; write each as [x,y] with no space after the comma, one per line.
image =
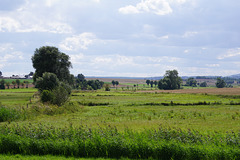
[18,82]
[220,83]
[148,82]
[2,84]
[113,83]
[191,82]
[50,59]
[170,81]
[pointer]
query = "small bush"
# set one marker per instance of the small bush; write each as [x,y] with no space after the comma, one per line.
[61,94]
[46,96]
[8,114]
[107,87]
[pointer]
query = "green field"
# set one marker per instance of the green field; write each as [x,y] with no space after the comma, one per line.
[122,124]
[21,80]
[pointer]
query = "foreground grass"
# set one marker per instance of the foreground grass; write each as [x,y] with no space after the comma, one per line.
[47,157]
[140,125]
[161,143]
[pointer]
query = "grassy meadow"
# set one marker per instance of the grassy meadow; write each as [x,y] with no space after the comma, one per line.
[123,123]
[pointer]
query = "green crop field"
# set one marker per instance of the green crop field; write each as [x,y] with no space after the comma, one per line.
[121,124]
[21,80]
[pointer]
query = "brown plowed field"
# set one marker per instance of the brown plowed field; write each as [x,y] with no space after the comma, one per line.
[216,91]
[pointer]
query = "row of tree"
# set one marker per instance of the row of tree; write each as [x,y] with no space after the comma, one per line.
[18,83]
[115,83]
[83,84]
[149,82]
[193,83]
[172,81]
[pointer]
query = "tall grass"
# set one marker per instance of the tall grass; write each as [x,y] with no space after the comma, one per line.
[8,114]
[163,143]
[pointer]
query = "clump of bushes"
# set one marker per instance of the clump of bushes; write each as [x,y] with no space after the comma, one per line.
[52,90]
[8,114]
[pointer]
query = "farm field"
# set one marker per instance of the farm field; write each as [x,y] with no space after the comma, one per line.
[180,123]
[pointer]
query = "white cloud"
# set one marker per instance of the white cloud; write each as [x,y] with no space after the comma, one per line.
[77,58]
[158,7]
[9,56]
[102,60]
[97,1]
[9,24]
[34,17]
[213,65]
[50,3]
[81,41]
[230,53]
[129,10]
[164,59]
[189,34]
[164,37]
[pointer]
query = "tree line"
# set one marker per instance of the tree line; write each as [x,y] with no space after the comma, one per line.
[16,84]
[172,81]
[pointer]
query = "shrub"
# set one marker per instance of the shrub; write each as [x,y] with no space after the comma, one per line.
[52,90]
[8,114]
[61,94]
[2,82]
[47,82]
[107,87]
[46,96]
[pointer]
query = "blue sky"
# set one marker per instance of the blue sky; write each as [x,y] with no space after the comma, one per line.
[136,38]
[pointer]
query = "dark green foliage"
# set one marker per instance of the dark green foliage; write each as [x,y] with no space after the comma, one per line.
[220,83]
[52,90]
[8,84]
[8,114]
[48,81]
[14,84]
[148,82]
[155,83]
[191,82]
[18,82]
[50,59]
[81,77]
[83,84]
[151,83]
[61,94]
[203,84]
[26,82]
[95,84]
[46,96]
[163,143]
[113,83]
[107,87]
[116,83]
[170,81]
[2,84]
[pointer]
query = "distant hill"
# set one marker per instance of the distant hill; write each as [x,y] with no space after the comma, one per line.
[237,76]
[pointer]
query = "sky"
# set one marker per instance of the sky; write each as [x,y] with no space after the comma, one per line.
[137,38]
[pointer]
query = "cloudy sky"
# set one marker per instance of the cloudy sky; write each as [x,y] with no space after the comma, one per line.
[124,38]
